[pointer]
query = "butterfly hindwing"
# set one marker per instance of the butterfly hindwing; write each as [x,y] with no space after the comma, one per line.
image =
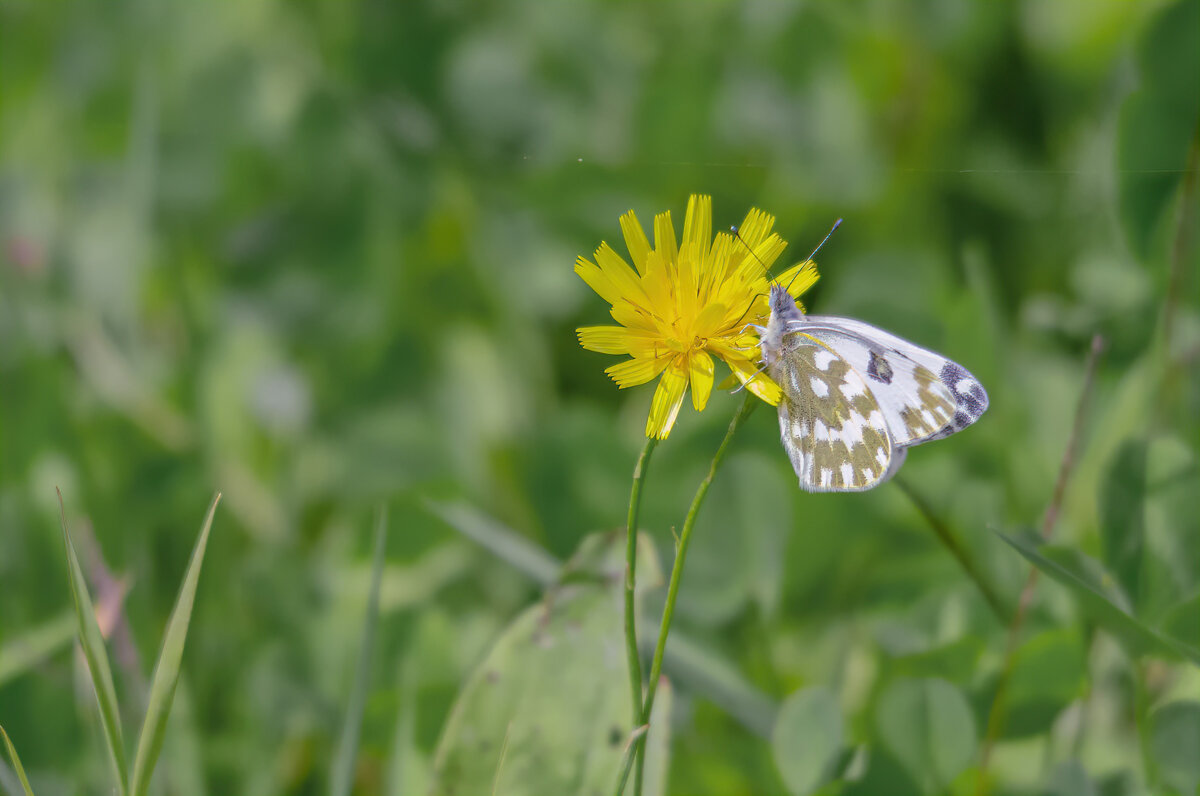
[829,422]
[922,383]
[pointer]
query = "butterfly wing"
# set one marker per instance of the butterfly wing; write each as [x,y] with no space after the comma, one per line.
[829,422]
[923,395]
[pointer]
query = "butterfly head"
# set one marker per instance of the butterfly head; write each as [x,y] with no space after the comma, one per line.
[783,306]
[784,316]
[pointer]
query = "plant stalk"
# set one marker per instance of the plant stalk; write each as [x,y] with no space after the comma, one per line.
[681,548]
[631,533]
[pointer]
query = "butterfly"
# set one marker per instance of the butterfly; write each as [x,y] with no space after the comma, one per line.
[855,397]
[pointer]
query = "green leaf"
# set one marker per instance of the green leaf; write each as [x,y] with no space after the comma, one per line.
[927,724]
[406,769]
[1070,778]
[92,642]
[1049,671]
[1182,622]
[1123,514]
[954,661]
[16,762]
[1158,122]
[166,670]
[701,669]
[547,711]
[1098,596]
[808,739]
[658,745]
[1175,741]
[885,776]
[342,776]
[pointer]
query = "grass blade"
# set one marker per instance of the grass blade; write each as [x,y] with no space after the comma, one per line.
[505,543]
[92,643]
[342,776]
[16,761]
[23,652]
[166,671]
[1087,581]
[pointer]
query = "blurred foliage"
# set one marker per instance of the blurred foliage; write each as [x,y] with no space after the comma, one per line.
[317,255]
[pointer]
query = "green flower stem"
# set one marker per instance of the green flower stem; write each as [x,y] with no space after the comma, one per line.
[681,548]
[631,533]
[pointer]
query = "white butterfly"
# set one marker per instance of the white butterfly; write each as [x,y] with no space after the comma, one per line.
[855,397]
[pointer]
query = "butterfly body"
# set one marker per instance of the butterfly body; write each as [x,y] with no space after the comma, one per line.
[856,397]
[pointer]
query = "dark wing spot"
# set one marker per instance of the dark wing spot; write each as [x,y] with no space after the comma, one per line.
[951,373]
[614,736]
[879,369]
[974,400]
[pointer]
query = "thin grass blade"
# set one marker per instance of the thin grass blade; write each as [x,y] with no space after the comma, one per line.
[342,776]
[166,671]
[16,762]
[21,653]
[92,642]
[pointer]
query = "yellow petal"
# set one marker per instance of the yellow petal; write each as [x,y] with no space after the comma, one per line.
[799,278]
[729,382]
[708,322]
[633,372]
[743,348]
[697,227]
[716,267]
[616,340]
[667,400]
[757,382]
[621,275]
[635,241]
[664,237]
[628,315]
[701,377]
[686,287]
[597,280]
[657,282]
[756,226]
[753,310]
[769,250]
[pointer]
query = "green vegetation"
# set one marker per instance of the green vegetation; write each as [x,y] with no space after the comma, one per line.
[318,257]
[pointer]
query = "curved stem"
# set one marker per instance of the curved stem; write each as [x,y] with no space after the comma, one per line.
[996,716]
[955,548]
[631,532]
[681,548]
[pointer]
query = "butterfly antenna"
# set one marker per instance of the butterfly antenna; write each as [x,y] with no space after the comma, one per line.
[767,271]
[828,234]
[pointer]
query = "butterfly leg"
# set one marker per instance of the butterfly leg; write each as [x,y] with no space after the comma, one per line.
[753,375]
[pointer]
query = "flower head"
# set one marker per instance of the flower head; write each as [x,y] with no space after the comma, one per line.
[685,303]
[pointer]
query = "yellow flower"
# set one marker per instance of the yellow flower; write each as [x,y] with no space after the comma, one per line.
[685,303]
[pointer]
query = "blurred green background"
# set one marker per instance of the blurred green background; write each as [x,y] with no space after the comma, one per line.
[318,256]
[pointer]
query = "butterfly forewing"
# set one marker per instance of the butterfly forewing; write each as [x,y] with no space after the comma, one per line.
[914,401]
[877,353]
[831,425]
